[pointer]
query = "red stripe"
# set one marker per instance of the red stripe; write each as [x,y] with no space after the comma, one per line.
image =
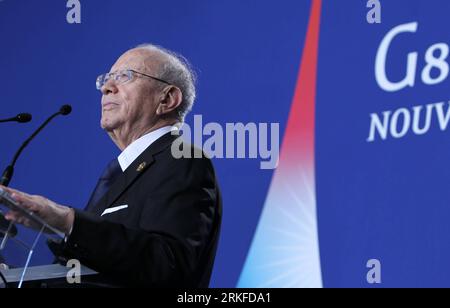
[299,138]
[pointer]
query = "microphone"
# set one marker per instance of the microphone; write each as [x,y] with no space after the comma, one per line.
[9,171]
[20,118]
[65,110]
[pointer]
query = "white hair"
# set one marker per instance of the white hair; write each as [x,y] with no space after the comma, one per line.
[176,70]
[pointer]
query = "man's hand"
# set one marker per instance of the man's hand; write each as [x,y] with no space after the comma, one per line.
[58,216]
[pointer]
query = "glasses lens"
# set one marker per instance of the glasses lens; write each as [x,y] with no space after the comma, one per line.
[103,79]
[122,76]
[118,77]
[99,82]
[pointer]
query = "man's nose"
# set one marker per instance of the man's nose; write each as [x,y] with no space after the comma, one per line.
[109,88]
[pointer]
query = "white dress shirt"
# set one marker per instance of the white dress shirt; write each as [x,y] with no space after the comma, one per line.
[134,150]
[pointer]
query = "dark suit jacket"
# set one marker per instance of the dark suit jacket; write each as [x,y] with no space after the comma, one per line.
[168,235]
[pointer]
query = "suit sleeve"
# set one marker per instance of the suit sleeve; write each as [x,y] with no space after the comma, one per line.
[173,234]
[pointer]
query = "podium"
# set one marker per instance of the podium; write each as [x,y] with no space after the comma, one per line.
[23,275]
[46,276]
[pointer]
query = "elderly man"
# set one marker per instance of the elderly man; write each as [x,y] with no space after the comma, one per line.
[153,220]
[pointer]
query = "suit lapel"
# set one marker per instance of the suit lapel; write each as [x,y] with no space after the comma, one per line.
[133,172]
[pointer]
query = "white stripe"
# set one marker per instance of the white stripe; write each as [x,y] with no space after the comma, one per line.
[114,209]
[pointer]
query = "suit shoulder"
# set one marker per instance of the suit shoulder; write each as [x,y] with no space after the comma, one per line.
[184,155]
[181,149]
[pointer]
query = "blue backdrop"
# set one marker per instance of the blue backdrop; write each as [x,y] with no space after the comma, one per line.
[384,200]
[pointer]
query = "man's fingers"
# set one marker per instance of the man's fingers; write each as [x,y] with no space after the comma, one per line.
[26,201]
[9,189]
[53,214]
[12,216]
[17,195]
[20,220]
[19,198]
[30,207]
[17,218]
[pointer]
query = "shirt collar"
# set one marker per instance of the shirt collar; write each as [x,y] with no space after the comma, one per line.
[135,149]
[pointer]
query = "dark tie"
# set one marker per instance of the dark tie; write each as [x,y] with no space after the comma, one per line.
[104,183]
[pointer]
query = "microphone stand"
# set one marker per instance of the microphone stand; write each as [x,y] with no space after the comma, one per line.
[9,171]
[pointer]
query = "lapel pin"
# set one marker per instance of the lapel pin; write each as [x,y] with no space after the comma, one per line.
[141,167]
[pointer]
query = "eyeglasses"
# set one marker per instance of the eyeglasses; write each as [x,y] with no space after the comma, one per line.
[121,77]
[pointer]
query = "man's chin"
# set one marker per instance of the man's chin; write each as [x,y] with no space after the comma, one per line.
[108,126]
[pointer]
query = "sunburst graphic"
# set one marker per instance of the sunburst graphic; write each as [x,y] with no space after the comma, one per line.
[285,249]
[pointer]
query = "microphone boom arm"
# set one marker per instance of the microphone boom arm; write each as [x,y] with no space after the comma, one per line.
[9,171]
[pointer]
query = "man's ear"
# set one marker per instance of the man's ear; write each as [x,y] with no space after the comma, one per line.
[170,100]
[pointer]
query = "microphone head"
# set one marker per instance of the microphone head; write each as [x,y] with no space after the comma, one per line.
[65,110]
[24,118]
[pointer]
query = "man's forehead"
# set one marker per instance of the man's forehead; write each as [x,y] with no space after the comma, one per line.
[136,59]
